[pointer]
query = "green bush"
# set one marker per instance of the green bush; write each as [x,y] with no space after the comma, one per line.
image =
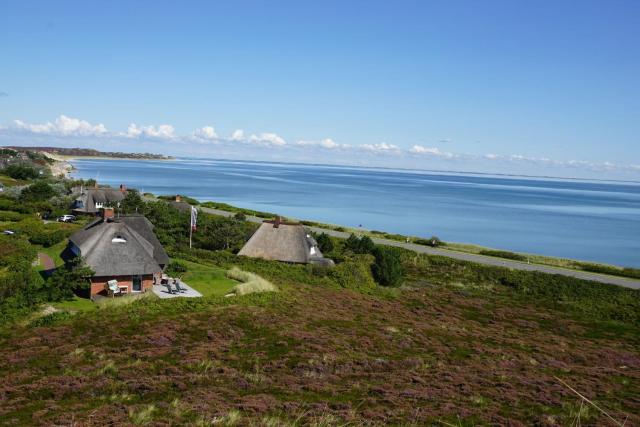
[10,204]
[48,238]
[362,245]
[633,273]
[24,172]
[324,243]
[432,241]
[387,269]
[176,267]
[354,273]
[10,216]
[229,208]
[503,254]
[38,191]
[73,277]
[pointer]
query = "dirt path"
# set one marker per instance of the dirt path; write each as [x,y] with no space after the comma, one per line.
[46,262]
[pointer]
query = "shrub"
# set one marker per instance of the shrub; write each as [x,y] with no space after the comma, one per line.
[324,243]
[432,241]
[176,267]
[229,208]
[23,172]
[240,216]
[38,191]
[354,273]
[48,238]
[68,279]
[362,245]
[10,216]
[503,254]
[387,269]
[611,270]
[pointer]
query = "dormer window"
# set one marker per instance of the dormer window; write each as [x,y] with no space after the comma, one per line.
[119,238]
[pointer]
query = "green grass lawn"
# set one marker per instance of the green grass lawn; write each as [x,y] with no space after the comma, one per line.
[76,304]
[207,280]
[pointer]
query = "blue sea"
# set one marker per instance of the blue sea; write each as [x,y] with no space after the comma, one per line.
[585,220]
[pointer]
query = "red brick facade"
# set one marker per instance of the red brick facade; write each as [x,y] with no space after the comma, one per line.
[99,284]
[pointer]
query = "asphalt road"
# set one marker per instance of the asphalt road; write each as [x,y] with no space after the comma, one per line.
[480,259]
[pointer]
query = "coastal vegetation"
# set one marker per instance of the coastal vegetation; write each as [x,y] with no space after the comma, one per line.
[385,336]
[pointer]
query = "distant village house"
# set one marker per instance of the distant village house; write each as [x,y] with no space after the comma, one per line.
[92,200]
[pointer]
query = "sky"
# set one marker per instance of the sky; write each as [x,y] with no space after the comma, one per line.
[538,88]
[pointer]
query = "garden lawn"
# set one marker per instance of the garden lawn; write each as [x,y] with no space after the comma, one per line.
[75,305]
[209,281]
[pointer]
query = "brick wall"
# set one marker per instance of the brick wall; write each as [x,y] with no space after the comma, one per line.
[99,284]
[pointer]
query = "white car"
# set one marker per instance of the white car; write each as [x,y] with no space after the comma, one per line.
[9,232]
[67,218]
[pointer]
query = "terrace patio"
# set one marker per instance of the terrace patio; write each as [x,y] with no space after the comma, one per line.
[186,291]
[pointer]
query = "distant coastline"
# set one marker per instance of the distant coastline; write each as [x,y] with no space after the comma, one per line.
[89,153]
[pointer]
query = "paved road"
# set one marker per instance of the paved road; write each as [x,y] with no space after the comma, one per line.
[480,259]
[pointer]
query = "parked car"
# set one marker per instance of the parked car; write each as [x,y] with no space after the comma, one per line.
[9,232]
[67,218]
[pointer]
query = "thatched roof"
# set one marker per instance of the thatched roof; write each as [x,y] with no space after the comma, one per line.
[87,198]
[125,246]
[282,242]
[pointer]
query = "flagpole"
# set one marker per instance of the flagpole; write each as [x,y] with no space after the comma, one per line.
[194,220]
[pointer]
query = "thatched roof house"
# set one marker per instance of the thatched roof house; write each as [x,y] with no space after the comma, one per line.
[287,242]
[123,249]
[91,200]
[179,204]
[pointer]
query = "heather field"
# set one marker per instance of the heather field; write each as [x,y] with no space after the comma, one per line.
[438,352]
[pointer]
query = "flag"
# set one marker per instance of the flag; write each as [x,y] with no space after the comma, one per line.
[194,218]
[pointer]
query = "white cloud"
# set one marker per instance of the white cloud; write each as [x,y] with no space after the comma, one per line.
[327,143]
[73,129]
[237,135]
[431,151]
[65,126]
[160,132]
[267,139]
[206,133]
[382,147]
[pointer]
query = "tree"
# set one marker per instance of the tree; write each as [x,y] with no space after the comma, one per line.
[132,202]
[324,243]
[387,268]
[37,192]
[363,245]
[220,233]
[66,280]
